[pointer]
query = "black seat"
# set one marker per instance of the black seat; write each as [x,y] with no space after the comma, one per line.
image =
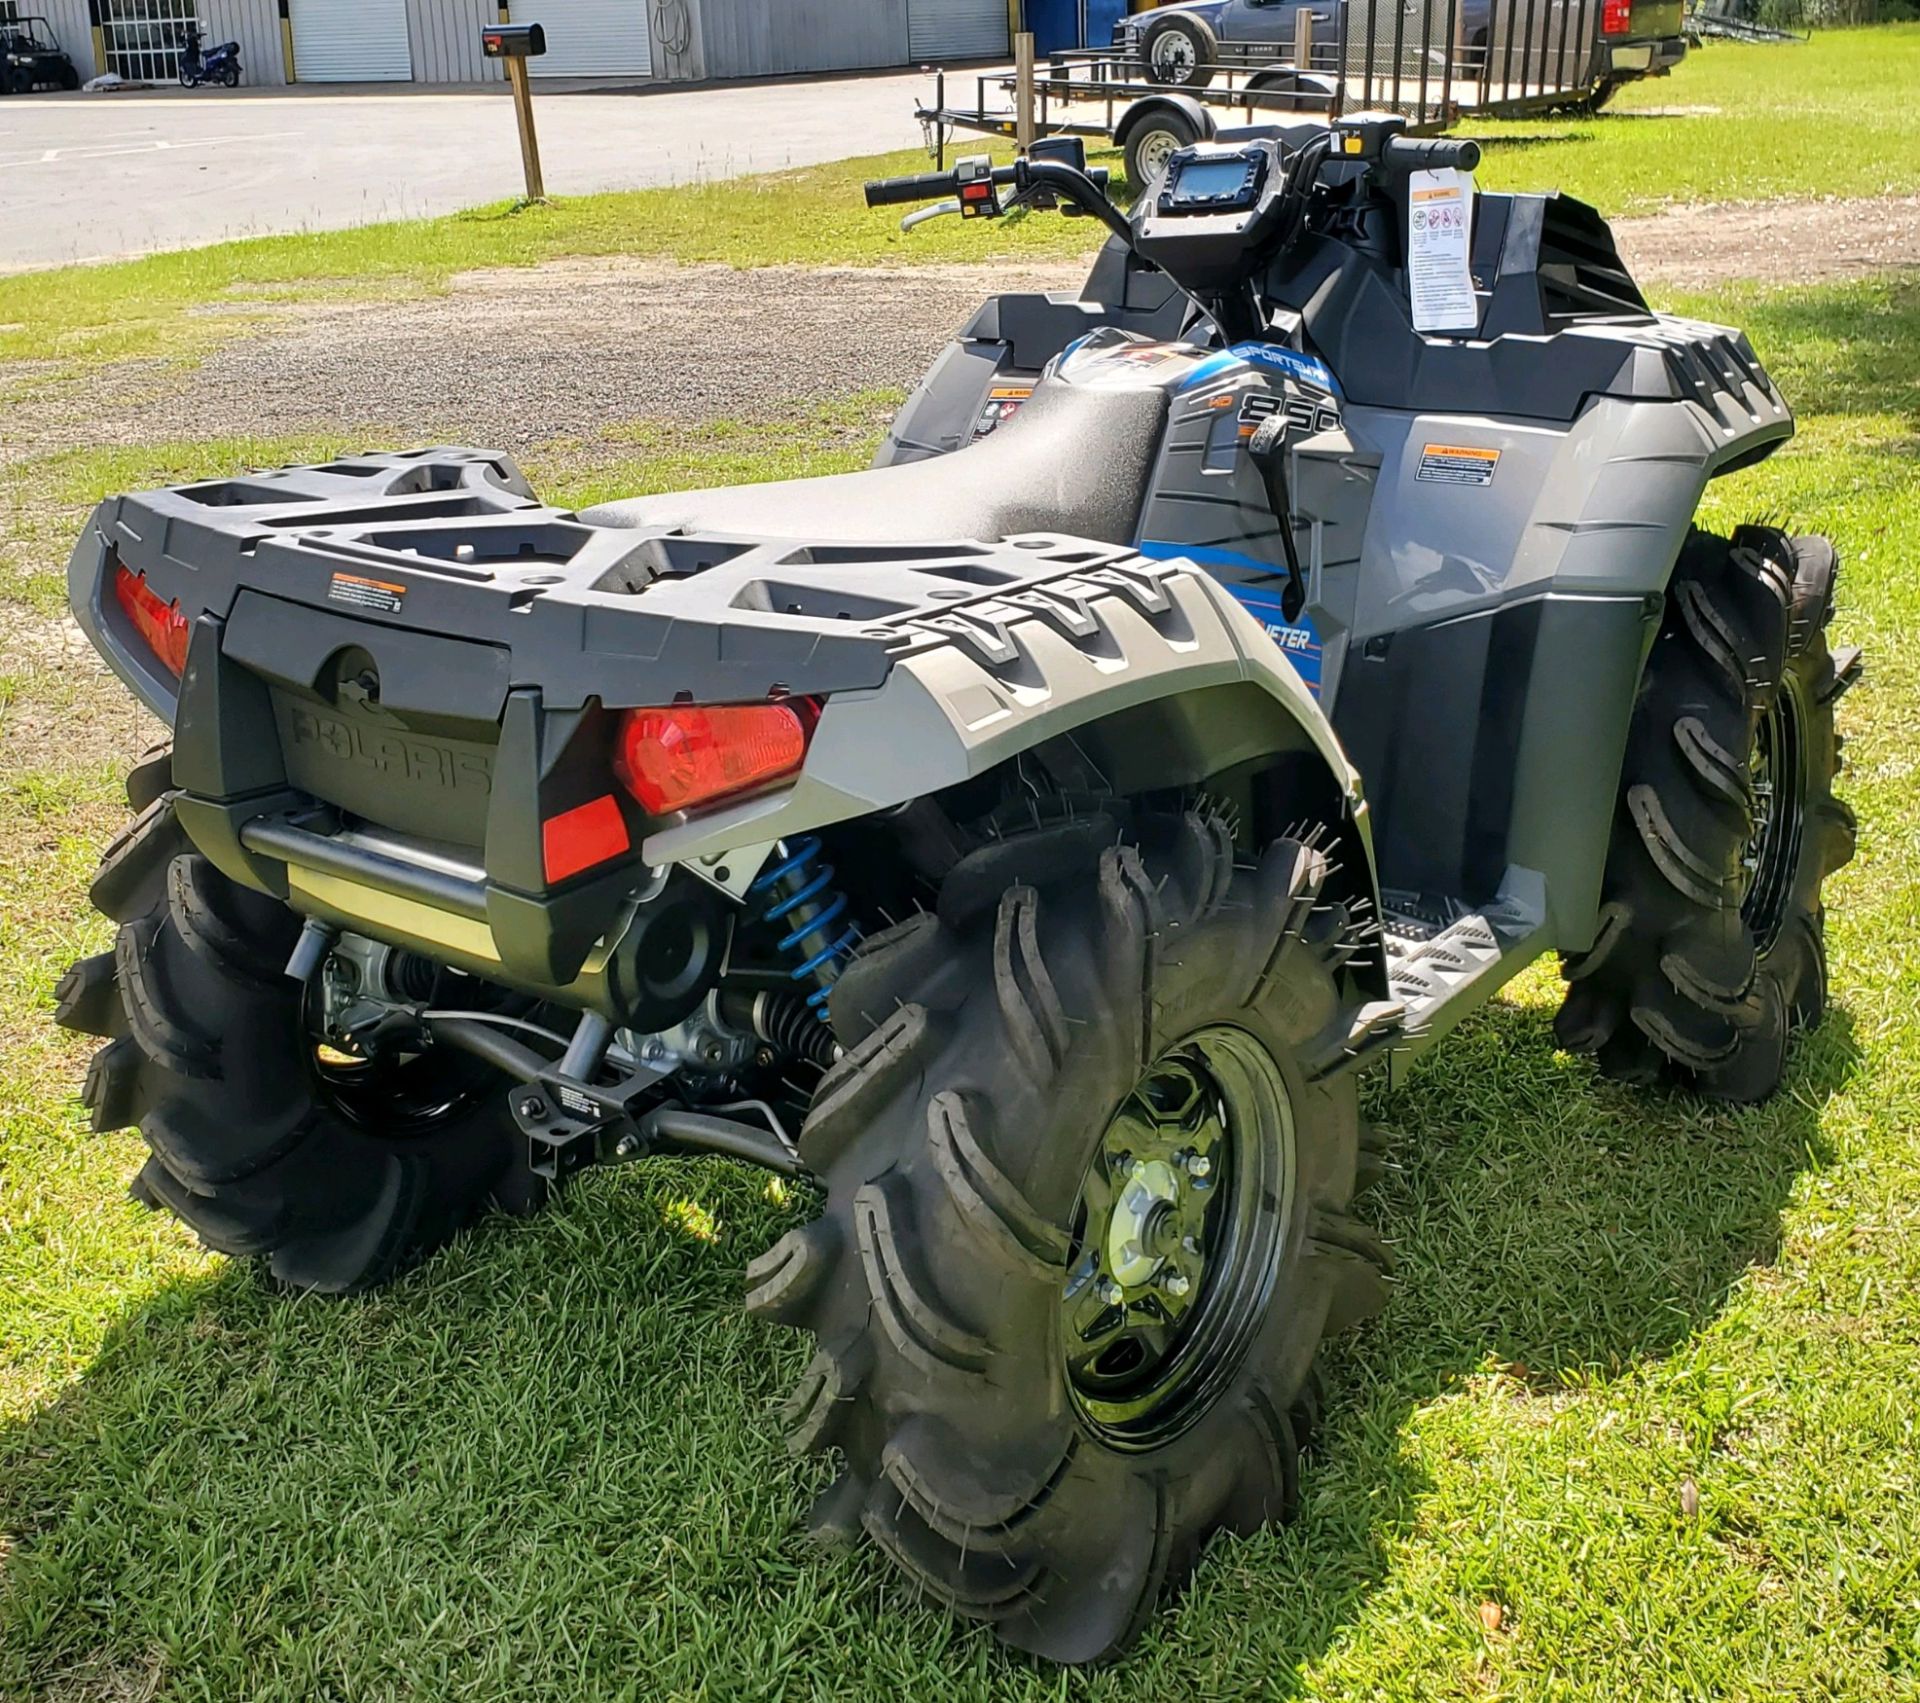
[1073,460]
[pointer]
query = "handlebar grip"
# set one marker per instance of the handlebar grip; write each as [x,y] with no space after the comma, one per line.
[1437,153]
[896,191]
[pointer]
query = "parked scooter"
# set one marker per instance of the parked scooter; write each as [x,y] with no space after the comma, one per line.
[218,65]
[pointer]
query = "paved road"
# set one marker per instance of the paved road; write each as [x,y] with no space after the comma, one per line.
[94,177]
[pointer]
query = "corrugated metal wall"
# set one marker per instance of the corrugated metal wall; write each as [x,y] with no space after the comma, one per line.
[446,41]
[255,25]
[764,38]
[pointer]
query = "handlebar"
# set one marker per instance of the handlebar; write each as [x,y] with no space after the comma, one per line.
[1437,153]
[927,186]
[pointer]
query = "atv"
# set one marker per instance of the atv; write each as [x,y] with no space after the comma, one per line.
[30,58]
[984,835]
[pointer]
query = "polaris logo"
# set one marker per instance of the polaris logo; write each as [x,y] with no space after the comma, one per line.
[424,761]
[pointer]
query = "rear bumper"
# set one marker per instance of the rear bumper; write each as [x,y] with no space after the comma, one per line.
[1646,58]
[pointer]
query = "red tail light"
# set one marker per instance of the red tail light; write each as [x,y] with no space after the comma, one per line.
[687,755]
[162,625]
[1616,17]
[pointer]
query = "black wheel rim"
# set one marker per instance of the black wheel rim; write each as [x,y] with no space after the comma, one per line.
[1777,775]
[1178,1235]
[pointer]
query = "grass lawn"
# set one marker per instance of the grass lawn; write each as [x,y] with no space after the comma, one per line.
[1832,117]
[547,1466]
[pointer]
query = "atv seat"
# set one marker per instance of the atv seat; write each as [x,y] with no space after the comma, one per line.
[1073,460]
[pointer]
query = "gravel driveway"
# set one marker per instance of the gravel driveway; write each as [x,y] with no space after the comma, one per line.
[508,359]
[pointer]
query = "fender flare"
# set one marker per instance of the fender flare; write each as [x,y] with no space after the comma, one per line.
[1152,106]
[1313,86]
[1202,692]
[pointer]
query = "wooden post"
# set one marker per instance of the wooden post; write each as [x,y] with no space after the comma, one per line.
[529,143]
[1303,39]
[1023,89]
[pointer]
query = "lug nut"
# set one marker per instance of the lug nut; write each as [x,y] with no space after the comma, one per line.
[1107,1290]
[1177,1284]
[1190,1244]
[626,1147]
[1199,1166]
[532,1107]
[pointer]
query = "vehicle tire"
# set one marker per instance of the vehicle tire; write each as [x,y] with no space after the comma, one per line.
[1027,1446]
[336,1180]
[187,78]
[1711,949]
[230,75]
[69,78]
[1180,53]
[1150,143]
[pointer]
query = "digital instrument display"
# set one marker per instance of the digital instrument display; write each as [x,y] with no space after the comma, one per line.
[1204,179]
[1220,183]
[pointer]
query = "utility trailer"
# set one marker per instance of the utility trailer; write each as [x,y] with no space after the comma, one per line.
[1430,61]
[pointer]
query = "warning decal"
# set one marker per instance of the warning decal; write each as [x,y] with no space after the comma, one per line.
[1455,464]
[358,592]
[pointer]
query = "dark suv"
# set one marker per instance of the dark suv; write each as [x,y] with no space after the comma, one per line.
[30,58]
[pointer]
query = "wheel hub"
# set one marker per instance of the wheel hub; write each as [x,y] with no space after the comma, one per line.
[1172,55]
[1177,1237]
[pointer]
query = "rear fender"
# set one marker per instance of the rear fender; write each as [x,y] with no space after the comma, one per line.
[1173,688]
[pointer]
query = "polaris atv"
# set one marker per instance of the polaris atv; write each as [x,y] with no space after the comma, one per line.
[984,835]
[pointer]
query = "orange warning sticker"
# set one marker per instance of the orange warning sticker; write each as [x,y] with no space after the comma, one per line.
[1457,464]
[359,592]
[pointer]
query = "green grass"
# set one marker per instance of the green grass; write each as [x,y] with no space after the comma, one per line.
[1832,117]
[547,1466]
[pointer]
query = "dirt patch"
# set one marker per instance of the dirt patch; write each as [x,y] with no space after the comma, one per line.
[517,357]
[1775,242]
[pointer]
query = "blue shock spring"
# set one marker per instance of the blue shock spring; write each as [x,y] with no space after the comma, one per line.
[799,892]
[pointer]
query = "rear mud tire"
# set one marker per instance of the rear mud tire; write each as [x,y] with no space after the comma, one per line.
[208,1054]
[1711,950]
[989,1046]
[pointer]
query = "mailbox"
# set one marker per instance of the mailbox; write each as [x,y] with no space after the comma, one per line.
[513,41]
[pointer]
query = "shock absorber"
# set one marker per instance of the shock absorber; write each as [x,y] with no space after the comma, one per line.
[799,894]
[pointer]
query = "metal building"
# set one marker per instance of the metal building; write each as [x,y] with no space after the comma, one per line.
[438,41]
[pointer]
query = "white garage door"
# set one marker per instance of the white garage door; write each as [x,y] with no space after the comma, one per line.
[351,41]
[956,29]
[589,38]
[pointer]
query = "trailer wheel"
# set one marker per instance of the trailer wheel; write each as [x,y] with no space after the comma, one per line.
[1181,53]
[1151,143]
[1089,1162]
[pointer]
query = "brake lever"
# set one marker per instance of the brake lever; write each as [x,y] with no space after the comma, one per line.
[920,215]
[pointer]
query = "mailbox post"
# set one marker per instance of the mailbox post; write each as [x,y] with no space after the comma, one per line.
[516,44]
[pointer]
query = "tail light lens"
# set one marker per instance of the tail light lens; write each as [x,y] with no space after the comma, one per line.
[686,755]
[1616,17]
[162,625]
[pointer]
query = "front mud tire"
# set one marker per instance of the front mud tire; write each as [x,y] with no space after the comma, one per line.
[988,1049]
[1711,950]
[207,1053]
